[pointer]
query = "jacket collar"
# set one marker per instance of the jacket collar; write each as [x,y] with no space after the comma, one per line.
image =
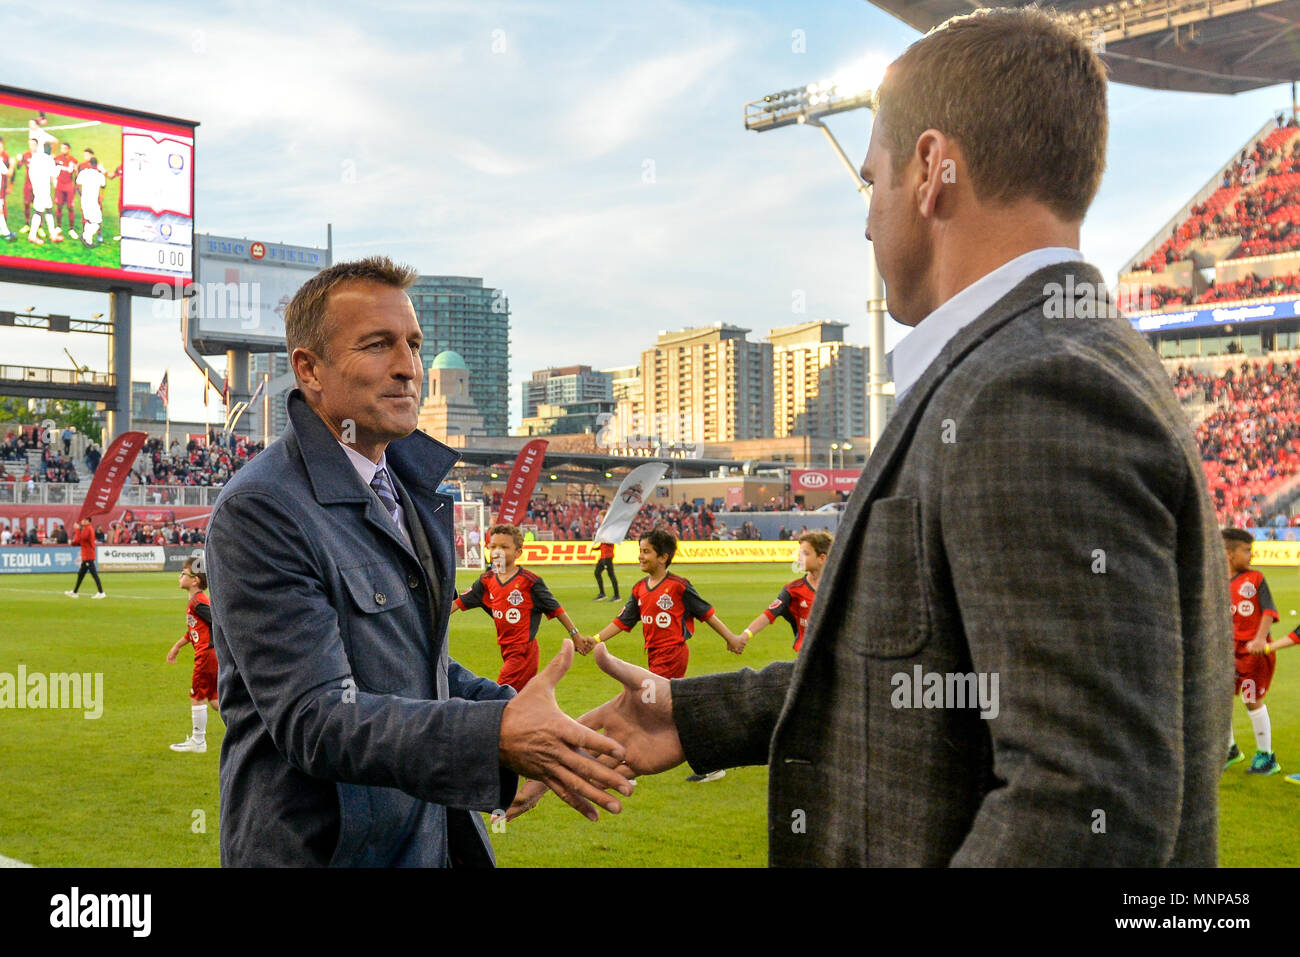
[896,438]
[419,461]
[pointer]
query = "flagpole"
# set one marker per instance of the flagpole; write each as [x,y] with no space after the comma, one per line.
[167,431]
[266,409]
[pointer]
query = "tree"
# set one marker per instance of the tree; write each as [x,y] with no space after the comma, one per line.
[64,412]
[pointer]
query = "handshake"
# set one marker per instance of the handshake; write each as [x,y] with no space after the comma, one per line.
[540,742]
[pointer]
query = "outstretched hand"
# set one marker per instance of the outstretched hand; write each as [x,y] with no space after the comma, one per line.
[541,742]
[641,717]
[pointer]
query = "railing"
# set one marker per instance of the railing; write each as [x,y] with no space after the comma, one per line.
[55,376]
[133,496]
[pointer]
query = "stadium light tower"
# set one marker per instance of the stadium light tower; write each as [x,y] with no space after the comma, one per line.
[806,106]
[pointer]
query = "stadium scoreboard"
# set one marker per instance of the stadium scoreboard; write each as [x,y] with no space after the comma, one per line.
[94,197]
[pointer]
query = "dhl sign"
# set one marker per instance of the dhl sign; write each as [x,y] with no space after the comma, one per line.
[1275,553]
[688,553]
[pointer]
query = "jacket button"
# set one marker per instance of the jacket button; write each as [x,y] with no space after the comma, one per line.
[413,581]
[380,598]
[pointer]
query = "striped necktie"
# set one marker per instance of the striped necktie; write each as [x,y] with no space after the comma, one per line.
[384,490]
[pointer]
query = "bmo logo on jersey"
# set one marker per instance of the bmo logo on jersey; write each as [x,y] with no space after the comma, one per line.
[1246,608]
[663,619]
[496,612]
[512,614]
[647,619]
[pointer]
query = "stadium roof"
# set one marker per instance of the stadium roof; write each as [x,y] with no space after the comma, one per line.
[1195,46]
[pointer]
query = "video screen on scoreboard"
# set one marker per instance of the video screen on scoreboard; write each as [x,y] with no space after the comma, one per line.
[92,193]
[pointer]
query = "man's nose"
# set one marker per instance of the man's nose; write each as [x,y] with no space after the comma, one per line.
[407,365]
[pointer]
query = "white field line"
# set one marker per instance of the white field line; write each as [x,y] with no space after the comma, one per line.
[86,596]
[10,862]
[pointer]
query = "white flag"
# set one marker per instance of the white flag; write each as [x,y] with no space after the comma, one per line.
[632,494]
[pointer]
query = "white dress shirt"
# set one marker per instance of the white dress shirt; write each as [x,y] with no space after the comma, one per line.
[367,469]
[920,347]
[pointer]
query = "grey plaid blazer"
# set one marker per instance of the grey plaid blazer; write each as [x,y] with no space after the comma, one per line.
[1035,512]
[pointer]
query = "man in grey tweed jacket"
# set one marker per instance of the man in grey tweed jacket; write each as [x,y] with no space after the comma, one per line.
[1020,651]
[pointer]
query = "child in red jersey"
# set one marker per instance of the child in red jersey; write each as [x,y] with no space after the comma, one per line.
[516,599]
[1253,613]
[794,604]
[665,604]
[198,632]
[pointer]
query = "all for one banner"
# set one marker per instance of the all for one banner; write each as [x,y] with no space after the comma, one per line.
[522,481]
[114,467]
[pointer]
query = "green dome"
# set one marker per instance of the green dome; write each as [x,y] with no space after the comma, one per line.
[449,360]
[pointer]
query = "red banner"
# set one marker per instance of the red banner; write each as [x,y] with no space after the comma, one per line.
[823,480]
[111,475]
[523,479]
[44,518]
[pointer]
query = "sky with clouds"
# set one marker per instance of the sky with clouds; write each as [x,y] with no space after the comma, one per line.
[589,158]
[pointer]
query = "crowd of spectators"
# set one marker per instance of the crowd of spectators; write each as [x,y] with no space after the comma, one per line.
[1252,287]
[194,463]
[1250,439]
[1258,200]
[127,531]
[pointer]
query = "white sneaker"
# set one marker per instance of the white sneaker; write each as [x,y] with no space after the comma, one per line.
[72,594]
[702,778]
[99,595]
[191,746]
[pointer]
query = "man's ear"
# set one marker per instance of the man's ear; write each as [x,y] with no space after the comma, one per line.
[305,364]
[938,170]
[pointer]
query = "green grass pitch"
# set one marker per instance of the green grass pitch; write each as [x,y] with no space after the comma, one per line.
[106,140]
[109,793]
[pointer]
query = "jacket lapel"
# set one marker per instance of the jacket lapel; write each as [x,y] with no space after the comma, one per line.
[417,460]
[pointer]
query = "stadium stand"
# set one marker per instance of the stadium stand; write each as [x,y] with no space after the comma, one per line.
[1247,421]
[1258,204]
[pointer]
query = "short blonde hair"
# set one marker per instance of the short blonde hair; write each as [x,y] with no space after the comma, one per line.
[306,317]
[1023,95]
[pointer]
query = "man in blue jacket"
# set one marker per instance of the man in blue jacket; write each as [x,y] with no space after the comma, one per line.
[351,737]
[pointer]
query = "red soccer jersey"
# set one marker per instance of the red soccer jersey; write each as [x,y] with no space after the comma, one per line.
[665,611]
[67,167]
[1251,602]
[4,172]
[794,604]
[606,550]
[85,537]
[516,605]
[199,632]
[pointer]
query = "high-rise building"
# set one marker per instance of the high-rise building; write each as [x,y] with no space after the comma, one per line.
[145,404]
[460,314]
[564,386]
[708,384]
[260,363]
[819,382]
